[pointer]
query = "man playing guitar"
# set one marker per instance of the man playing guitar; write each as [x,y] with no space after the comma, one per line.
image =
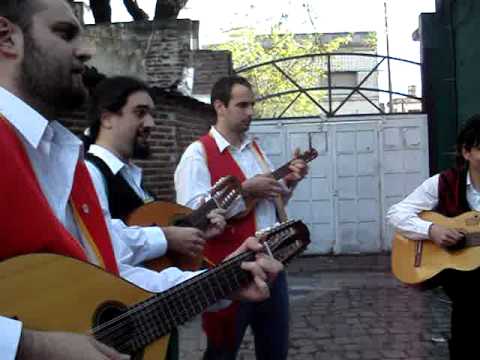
[450,193]
[227,150]
[48,203]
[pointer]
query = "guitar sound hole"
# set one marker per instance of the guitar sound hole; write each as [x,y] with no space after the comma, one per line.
[118,337]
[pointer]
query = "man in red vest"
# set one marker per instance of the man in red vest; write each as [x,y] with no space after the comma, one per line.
[450,193]
[47,200]
[228,150]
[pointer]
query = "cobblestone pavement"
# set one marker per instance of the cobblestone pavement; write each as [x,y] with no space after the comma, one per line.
[351,307]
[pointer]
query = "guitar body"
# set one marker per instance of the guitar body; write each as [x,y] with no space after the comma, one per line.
[57,293]
[162,213]
[50,292]
[434,259]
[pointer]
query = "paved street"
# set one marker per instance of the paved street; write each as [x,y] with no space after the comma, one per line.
[351,307]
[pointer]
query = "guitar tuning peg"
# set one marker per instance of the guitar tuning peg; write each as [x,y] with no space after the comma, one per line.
[259,234]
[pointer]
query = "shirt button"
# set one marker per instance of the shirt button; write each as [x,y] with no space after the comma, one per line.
[85,208]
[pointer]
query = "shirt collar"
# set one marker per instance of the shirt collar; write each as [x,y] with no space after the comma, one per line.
[113,162]
[31,124]
[223,143]
[470,186]
[24,118]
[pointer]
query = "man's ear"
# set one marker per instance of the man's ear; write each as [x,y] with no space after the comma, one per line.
[106,120]
[465,153]
[219,106]
[9,38]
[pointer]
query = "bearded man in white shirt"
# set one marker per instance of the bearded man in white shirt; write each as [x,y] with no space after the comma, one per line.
[228,150]
[450,193]
[41,65]
[121,115]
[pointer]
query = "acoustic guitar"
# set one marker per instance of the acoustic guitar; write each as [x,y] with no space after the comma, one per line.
[57,293]
[279,174]
[162,213]
[414,261]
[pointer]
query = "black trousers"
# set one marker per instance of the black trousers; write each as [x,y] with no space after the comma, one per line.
[462,288]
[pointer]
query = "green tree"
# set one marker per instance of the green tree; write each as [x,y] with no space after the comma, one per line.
[248,48]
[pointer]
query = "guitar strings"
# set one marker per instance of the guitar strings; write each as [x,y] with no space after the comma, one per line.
[283,253]
[105,330]
[109,328]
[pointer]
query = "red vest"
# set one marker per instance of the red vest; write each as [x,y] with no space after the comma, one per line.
[220,325]
[221,164]
[452,193]
[28,224]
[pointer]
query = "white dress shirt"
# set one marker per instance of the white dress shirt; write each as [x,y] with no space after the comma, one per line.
[54,152]
[150,240]
[193,180]
[404,215]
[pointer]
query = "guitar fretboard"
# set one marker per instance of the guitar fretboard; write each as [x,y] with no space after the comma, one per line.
[283,170]
[198,218]
[158,315]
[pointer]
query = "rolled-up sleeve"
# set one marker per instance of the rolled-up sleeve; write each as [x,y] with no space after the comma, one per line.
[404,215]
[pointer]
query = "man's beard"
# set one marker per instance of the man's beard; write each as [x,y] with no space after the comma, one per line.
[141,151]
[46,82]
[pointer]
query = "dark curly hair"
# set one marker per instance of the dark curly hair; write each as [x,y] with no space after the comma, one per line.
[468,138]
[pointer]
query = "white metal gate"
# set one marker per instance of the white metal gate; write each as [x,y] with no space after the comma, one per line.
[364,165]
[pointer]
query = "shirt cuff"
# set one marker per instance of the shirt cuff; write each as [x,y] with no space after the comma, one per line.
[157,241]
[423,228]
[11,331]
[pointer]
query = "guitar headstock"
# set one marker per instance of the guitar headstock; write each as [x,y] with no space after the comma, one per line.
[286,240]
[308,155]
[225,191]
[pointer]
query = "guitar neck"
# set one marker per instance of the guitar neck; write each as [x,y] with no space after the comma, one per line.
[284,170]
[281,172]
[160,314]
[198,217]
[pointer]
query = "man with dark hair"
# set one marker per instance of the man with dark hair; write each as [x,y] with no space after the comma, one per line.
[121,115]
[48,202]
[228,150]
[450,193]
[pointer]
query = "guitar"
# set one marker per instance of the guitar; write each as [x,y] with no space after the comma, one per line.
[57,293]
[416,261]
[162,213]
[279,174]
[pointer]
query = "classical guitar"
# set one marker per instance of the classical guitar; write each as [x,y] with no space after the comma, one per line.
[57,293]
[416,261]
[280,173]
[162,213]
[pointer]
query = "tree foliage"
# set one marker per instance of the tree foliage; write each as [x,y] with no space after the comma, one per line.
[248,48]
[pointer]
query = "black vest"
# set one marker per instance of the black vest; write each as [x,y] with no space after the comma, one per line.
[122,199]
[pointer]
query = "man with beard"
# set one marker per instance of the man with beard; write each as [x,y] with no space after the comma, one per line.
[228,150]
[48,202]
[121,119]
[121,115]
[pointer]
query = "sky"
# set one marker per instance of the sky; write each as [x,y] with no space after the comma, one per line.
[307,16]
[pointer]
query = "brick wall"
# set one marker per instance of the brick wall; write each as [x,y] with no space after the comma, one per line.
[206,60]
[155,51]
[158,52]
